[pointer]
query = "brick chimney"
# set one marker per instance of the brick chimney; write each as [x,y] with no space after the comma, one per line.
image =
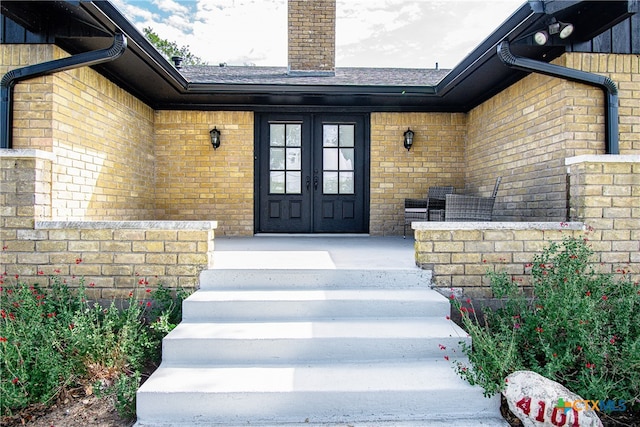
[312,37]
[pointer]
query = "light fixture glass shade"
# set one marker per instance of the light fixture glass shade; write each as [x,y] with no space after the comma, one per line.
[408,139]
[541,37]
[565,30]
[215,137]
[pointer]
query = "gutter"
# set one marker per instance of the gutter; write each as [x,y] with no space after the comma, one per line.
[9,80]
[602,82]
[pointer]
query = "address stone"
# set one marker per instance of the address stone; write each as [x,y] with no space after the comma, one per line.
[538,401]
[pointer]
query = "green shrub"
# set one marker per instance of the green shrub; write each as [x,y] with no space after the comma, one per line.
[55,339]
[580,327]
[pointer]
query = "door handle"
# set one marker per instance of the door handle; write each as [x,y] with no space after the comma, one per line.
[308,182]
[315,182]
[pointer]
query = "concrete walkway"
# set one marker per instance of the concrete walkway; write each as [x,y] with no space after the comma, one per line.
[314,252]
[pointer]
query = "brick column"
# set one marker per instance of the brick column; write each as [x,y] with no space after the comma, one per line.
[312,40]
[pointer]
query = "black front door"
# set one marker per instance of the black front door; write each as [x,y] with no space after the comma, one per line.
[312,173]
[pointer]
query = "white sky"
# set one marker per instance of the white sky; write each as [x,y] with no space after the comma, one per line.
[369,33]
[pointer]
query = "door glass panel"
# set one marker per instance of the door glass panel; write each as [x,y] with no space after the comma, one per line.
[330,135]
[276,182]
[294,135]
[346,135]
[294,183]
[338,159]
[277,135]
[330,158]
[330,182]
[285,158]
[346,183]
[346,158]
[276,159]
[293,158]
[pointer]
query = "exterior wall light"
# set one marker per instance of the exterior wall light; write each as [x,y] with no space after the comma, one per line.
[215,137]
[408,139]
[562,29]
[541,37]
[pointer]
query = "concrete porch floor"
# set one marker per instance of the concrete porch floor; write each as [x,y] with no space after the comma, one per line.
[314,252]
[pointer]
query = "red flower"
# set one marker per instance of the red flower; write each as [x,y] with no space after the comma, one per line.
[148,303]
[3,339]
[604,297]
[91,285]
[588,293]
[446,358]
[579,348]
[539,329]
[447,317]
[71,326]
[40,273]
[147,291]
[15,380]
[442,347]
[590,365]
[78,260]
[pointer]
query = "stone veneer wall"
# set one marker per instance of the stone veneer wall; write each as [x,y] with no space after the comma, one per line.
[111,256]
[605,205]
[436,158]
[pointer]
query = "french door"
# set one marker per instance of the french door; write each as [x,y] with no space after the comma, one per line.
[312,173]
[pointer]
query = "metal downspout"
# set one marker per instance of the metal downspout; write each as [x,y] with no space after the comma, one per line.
[10,79]
[604,83]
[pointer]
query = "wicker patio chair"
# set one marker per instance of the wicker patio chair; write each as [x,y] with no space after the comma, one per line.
[414,210]
[460,207]
[437,196]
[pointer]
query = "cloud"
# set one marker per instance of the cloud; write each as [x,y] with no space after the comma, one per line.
[369,33]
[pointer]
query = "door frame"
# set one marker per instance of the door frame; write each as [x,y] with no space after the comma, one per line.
[264,116]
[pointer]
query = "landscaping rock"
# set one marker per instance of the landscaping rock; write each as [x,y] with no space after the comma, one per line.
[538,401]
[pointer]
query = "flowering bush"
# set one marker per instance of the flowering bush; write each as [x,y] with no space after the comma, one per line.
[54,339]
[579,327]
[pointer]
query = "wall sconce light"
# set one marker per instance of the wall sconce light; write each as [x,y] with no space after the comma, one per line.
[563,30]
[408,139]
[215,137]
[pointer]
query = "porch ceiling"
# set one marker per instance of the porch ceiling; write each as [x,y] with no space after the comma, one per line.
[144,72]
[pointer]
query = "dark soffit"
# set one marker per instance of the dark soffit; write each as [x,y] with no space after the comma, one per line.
[144,72]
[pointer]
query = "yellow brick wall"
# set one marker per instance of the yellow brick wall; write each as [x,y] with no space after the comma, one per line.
[32,111]
[525,132]
[436,159]
[101,135]
[194,182]
[624,71]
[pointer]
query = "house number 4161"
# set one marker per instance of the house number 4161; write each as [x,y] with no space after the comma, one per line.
[558,416]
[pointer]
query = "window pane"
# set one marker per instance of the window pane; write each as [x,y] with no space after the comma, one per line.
[346,159]
[276,158]
[277,135]
[294,135]
[276,182]
[346,183]
[293,158]
[330,161]
[294,183]
[330,183]
[346,135]
[330,135]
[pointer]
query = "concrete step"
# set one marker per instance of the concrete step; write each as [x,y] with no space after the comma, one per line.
[213,305]
[313,278]
[313,340]
[414,392]
[313,347]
